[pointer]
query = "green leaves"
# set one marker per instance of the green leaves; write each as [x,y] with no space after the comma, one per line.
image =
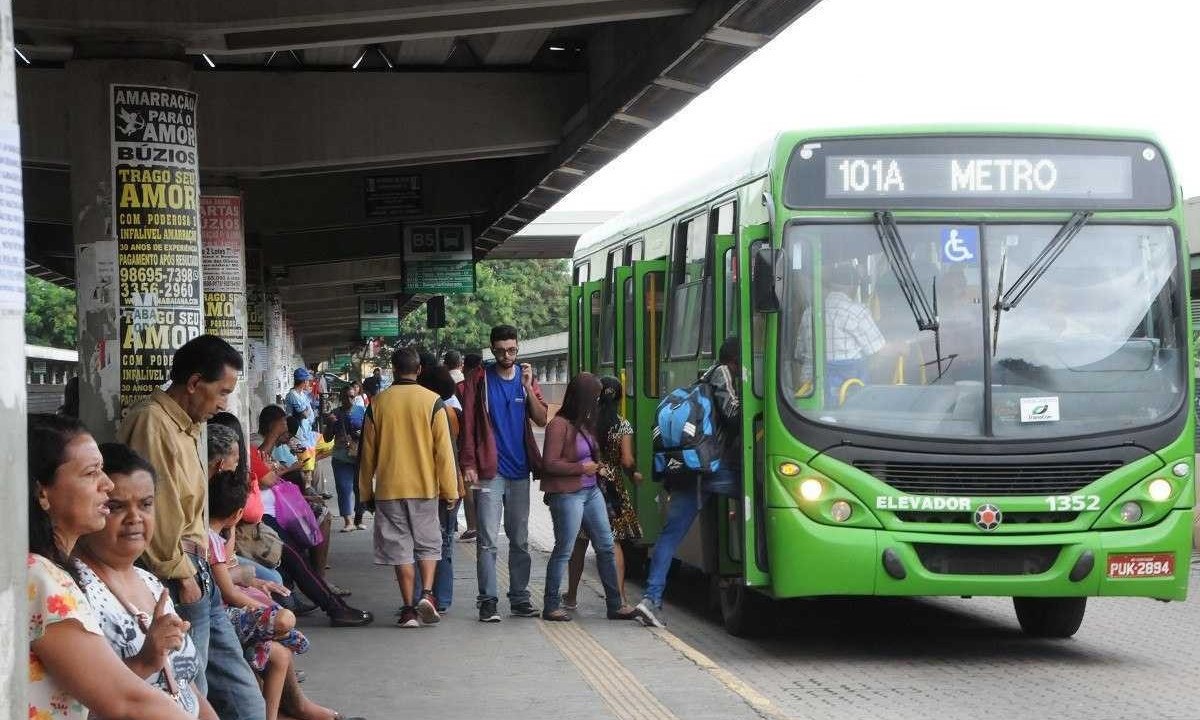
[50,314]
[530,294]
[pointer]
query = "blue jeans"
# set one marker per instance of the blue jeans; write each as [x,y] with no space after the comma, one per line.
[345,480]
[584,507]
[681,513]
[510,497]
[443,581]
[261,572]
[226,679]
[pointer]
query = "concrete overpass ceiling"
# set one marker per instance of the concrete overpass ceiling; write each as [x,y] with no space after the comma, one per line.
[501,107]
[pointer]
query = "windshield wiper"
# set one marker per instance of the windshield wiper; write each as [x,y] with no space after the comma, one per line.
[999,293]
[1040,264]
[897,256]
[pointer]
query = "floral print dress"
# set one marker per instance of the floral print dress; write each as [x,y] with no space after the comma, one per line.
[53,598]
[621,514]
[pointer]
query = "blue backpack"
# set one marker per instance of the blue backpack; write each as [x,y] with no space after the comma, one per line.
[685,433]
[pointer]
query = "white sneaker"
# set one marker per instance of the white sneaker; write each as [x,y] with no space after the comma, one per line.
[428,611]
[647,614]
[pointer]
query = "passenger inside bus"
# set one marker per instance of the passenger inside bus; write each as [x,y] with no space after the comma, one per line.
[851,335]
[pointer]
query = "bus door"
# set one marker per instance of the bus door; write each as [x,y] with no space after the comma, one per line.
[727,552]
[589,315]
[642,391]
[574,336]
[753,329]
[610,339]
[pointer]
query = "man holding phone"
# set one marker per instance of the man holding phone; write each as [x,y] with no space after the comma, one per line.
[501,400]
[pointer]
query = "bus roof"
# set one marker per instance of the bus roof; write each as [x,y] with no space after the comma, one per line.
[744,166]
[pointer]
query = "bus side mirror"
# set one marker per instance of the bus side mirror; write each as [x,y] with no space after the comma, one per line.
[766,281]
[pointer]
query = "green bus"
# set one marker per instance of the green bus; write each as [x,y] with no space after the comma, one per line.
[966,364]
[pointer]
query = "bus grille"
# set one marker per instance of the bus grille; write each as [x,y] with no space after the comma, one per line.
[967,518]
[987,559]
[984,480]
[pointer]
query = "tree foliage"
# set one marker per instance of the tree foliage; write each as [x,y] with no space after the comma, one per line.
[50,314]
[529,294]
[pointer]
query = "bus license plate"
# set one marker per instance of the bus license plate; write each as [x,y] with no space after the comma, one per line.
[1141,566]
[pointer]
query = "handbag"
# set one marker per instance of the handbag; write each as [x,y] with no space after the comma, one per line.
[295,516]
[260,543]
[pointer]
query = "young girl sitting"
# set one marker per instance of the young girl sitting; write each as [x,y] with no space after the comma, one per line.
[267,630]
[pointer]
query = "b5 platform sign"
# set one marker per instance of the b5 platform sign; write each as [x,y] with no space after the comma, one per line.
[156,223]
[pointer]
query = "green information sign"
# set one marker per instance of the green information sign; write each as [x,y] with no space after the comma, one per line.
[340,363]
[440,277]
[378,317]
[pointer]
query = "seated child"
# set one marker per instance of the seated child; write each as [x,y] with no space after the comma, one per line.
[266,630]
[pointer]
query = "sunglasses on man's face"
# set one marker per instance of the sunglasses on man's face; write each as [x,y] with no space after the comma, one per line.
[501,352]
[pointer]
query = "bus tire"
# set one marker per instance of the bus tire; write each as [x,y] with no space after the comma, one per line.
[745,612]
[1050,617]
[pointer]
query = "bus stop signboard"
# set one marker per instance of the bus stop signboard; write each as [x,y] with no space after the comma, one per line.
[438,260]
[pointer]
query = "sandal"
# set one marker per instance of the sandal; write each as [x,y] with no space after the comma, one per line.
[558,615]
[624,612]
[468,536]
[569,603]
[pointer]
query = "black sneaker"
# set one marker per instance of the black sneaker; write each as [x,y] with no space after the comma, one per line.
[525,609]
[487,612]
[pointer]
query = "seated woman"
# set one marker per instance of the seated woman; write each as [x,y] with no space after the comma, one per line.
[272,424]
[72,668]
[134,609]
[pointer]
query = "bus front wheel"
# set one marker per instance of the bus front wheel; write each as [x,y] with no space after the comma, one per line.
[746,613]
[1050,617]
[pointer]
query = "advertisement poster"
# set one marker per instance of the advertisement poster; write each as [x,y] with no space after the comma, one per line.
[157,228]
[224,269]
[438,260]
[12,224]
[256,297]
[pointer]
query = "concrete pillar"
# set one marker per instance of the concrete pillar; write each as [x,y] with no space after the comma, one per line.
[14,648]
[275,347]
[257,354]
[134,202]
[224,263]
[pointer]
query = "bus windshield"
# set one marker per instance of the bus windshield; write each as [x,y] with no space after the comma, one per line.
[1096,345]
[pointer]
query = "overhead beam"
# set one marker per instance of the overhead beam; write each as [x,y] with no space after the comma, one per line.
[343,273]
[486,21]
[329,121]
[330,295]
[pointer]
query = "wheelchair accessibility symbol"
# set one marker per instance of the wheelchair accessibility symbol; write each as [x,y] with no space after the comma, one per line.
[960,244]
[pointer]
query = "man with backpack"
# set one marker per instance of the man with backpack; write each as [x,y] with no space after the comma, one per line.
[690,487]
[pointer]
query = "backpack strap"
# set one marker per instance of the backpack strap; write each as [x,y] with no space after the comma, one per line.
[437,405]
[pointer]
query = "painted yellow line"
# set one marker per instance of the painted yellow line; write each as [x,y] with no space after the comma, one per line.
[756,700]
[625,695]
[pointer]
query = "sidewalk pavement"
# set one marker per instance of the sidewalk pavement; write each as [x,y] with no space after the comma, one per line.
[518,668]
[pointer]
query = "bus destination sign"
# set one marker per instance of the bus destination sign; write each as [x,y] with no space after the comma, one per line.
[960,172]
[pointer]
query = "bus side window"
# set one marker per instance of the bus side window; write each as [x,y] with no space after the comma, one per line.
[758,336]
[688,278]
[732,300]
[653,326]
[608,325]
[635,251]
[595,309]
[583,273]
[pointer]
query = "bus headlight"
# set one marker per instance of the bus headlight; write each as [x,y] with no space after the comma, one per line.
[789,469]
[811,489]
[1160,489]
[1131,512]
[840,510]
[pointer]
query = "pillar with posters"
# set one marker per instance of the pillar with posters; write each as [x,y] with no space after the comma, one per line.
[275,347]
[257,389]
[224,264]
[156,221]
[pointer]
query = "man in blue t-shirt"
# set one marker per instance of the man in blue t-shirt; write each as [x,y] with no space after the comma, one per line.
[500,400]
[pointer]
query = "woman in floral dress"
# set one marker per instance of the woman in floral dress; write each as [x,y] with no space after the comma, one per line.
[617,466]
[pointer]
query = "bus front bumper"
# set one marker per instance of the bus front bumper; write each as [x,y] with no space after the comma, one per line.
[809,559]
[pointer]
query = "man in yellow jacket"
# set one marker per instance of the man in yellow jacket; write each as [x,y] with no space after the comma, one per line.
[406,463]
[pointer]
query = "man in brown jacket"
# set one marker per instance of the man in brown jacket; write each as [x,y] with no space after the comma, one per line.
[500,401]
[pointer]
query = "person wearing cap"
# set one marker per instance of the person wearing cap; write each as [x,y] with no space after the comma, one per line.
[298,400]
